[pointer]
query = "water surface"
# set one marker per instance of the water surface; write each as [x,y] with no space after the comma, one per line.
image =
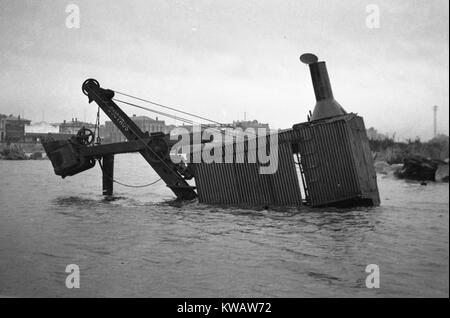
[146,245]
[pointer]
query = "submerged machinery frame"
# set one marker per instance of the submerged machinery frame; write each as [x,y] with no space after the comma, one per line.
[324,161]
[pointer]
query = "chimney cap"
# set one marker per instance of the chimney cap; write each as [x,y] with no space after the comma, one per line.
[309,58]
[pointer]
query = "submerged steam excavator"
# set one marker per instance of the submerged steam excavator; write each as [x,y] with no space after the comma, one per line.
[323,161]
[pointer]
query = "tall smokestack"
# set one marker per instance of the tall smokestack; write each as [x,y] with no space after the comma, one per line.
[326,105]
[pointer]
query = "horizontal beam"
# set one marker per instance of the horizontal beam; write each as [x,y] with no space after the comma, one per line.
[114,148]
[124,147]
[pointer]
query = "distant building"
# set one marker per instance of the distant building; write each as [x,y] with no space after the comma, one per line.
[74,126]
[169,128]
[12,129]
[102,132]
[250,124]
[35,132]
[233,129]
[111,133]
[190,128]
[149,124]
[42,127]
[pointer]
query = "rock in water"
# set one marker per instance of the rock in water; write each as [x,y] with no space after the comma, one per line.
[441,174]
[396,167]
[418,168]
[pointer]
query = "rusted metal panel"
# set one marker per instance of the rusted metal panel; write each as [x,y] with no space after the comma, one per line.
[328,162]
[335,159]
[242,183]
[364,160]
[216,183]
[285,182]
[249,184]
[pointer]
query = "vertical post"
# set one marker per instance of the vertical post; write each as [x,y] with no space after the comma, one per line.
[108,174]
[435,108]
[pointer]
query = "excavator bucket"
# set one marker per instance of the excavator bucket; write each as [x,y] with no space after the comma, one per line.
[65,156]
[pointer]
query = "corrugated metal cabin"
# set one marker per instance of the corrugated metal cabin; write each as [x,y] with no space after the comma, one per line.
[325,162]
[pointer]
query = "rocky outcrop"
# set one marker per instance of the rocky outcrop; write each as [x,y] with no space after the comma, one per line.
[419,168]
[441,174]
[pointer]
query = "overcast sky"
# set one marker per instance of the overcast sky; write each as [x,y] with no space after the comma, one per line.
[220,59]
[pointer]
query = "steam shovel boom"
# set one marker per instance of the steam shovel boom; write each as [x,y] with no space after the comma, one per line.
[156,148]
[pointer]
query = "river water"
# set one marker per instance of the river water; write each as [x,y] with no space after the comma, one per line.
[143,244]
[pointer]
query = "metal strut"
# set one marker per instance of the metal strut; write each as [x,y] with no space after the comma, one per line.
[156,150]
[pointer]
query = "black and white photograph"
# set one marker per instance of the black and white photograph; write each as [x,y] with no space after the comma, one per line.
[224,155]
